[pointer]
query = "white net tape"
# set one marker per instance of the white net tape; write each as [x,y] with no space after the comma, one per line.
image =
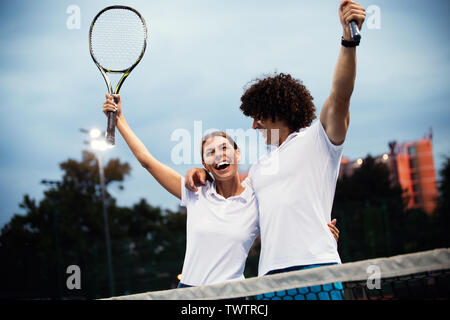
[427,261]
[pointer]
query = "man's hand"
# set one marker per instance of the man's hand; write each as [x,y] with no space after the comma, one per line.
[195,177]
[333,229]
[351,11]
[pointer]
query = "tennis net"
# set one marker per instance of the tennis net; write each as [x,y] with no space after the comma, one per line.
[423,275]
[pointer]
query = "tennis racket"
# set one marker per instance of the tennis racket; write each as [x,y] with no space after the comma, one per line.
[117,42]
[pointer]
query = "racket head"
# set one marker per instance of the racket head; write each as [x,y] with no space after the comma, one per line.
[117,39]
[117,43]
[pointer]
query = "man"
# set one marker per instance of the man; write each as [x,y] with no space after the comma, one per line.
[295,200]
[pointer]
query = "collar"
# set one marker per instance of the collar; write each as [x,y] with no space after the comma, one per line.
[212,192]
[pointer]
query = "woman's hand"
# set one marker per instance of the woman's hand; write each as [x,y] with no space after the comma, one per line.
[333,229]
[110,105]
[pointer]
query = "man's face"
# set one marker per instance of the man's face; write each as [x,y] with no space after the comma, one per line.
[270,130]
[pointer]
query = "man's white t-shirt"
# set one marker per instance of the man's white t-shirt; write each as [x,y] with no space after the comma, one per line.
[295,185]
[220,233]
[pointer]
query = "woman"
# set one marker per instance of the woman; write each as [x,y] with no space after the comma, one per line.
[222,215]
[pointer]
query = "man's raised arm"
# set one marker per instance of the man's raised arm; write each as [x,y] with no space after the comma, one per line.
[335,116]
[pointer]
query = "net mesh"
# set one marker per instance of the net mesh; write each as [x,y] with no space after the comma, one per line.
[424,275]
[117,39]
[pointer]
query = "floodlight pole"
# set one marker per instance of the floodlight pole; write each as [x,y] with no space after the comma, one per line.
[105,218]
[105,214]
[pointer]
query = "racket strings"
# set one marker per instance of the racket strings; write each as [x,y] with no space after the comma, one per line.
[117,39]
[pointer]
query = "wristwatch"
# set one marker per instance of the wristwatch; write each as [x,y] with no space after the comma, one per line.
[349,44]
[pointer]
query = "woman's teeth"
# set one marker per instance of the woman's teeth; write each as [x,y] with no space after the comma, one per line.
[222,165]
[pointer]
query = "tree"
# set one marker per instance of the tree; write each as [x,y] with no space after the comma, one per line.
[365,205]
[441,216]
[372,217]
[66,227]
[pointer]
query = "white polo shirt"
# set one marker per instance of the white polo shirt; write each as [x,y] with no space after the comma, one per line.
[294,185]
[220,233]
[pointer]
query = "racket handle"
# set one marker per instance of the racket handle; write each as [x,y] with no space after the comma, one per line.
[356,36]
[111,127]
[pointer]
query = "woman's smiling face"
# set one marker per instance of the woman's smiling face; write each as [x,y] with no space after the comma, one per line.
[220,157]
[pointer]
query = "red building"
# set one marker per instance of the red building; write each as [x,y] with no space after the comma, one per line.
[411,165]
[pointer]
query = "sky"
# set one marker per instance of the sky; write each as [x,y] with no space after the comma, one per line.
[200,56]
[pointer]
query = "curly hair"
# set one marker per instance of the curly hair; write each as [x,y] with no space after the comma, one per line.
[279,97]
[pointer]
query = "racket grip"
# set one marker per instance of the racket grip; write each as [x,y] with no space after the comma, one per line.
[356,36]
[111,127]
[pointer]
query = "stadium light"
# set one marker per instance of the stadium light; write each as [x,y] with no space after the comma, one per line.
[99,145]
[95,133]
